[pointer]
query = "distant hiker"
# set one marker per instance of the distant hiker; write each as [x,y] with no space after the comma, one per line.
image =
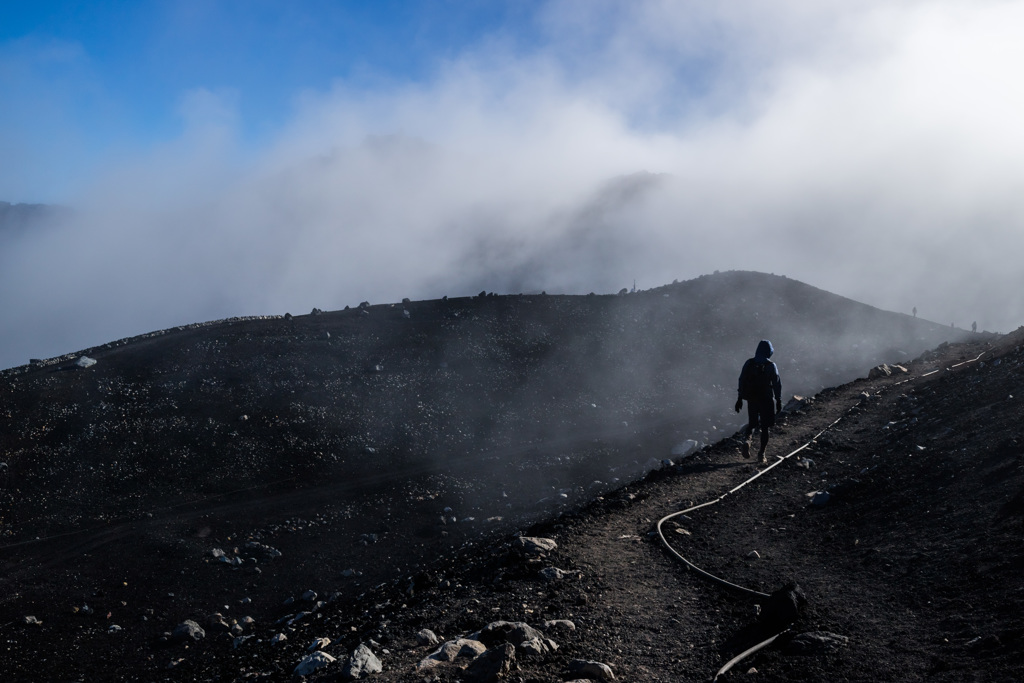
[759,384]
[974,326]
[915,311]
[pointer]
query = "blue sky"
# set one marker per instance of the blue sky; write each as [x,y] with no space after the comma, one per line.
[243,158]
[87,80]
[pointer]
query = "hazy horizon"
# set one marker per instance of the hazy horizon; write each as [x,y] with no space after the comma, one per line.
[873,151]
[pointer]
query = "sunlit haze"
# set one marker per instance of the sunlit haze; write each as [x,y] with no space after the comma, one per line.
[245,158]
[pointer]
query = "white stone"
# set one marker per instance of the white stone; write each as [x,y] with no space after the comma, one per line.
[319,644]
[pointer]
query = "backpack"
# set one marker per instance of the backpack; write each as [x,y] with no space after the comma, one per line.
[757,381]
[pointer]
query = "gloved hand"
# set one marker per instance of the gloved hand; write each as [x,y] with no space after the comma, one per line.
[778,405]
[739,404]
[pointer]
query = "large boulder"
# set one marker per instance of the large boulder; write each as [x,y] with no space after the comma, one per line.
[783,607]
[313,662]
[493,665]
[187,630]
[516,633]
[361,664]
[451,650]
[879,371]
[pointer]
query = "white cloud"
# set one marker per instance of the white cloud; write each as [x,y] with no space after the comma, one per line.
[873,150]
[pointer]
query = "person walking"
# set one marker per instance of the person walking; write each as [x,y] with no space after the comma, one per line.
[759,384]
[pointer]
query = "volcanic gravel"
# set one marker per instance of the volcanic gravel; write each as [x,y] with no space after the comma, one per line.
[385,462]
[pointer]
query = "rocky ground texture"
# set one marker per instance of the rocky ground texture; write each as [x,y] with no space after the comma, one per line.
[133,551]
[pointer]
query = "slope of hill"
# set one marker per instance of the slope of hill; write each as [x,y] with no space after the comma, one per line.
[18,219]
[364,444]
[213,408]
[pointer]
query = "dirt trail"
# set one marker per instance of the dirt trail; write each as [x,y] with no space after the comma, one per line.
[644,614]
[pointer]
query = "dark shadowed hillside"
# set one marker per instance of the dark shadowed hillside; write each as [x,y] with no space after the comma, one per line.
[224,467]
[18,219]
[492,385]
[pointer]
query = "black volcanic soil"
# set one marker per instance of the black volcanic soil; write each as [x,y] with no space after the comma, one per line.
[397,490]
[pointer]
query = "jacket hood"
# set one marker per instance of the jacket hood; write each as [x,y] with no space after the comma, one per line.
[764,350]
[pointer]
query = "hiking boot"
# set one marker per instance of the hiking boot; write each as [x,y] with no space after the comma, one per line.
[764,460]
[745,447]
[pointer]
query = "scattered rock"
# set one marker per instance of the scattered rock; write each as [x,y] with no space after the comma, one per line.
[278,639]
[319,644]
[313,662]
[559,625]
[820,498]
[216,622]
[85,362]
[450,650]
[427,637]
[517,633]
[797,403]
[537,646]
[221,556]
[591,669]
[879,371]
[265,550]
[556,574]
[534,546]
[240,640]
[298,617]
[31,621]
[514,632]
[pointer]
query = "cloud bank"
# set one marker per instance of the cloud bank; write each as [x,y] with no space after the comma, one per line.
[874,151]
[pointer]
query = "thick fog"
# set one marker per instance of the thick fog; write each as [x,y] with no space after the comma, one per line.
[874,150]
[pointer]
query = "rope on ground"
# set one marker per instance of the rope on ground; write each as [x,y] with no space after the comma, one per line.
[728,584]
[707,575]
[746,653]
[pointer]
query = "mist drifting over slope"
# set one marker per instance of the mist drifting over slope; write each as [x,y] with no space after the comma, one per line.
[872,151]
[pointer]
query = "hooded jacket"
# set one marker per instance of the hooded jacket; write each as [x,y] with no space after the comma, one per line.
[769,390]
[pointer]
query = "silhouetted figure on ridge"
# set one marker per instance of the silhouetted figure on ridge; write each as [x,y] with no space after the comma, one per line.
[759,385]
[915,311]
[974,326]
